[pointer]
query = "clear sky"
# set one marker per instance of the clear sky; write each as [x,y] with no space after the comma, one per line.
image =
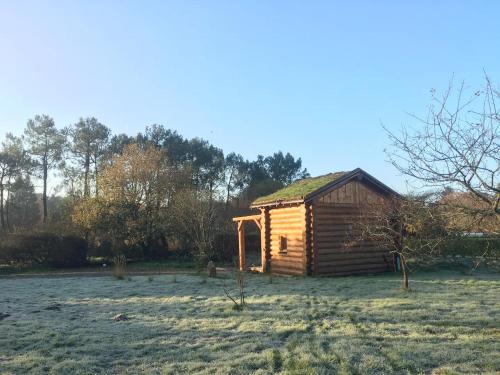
[313,78]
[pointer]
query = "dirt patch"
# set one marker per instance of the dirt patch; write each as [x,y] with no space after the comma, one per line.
[105,273]
[54,307]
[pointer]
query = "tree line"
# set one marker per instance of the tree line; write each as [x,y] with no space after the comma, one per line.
[148,194]
[131,193]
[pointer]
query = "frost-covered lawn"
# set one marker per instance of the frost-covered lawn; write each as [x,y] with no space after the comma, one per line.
[184,324]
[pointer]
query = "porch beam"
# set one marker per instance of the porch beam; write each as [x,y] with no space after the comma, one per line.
[247,218]
[257,222]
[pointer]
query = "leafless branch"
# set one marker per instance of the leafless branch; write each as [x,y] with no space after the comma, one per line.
[457,145]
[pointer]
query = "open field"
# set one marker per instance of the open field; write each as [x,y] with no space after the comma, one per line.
[449,323]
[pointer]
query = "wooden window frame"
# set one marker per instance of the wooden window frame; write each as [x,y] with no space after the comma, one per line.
[283,244]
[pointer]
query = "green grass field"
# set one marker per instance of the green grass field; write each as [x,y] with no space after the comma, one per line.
[448,323]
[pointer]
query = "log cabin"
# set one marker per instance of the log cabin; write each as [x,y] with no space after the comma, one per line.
[304,227]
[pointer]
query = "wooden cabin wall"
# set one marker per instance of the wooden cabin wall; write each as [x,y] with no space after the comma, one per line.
[334,217]
[289,222]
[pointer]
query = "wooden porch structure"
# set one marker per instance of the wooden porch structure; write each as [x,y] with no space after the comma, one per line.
[257,219]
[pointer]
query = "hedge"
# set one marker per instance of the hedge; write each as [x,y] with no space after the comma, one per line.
[43,248]
[472,246]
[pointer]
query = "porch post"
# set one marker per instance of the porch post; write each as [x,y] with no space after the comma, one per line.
[264,224]
[241,244]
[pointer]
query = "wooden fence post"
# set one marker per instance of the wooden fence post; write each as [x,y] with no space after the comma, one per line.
[241,244]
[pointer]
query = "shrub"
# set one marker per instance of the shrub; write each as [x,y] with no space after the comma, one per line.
[131,253]
[472,246]
[43,248]
[240,282]
[100,249]
[120,264]
[156,249]
[71,252]
[107,250]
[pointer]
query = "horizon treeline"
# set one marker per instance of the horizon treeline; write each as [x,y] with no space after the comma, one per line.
[137,194]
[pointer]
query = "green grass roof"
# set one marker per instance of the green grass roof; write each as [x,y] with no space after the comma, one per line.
[299,189]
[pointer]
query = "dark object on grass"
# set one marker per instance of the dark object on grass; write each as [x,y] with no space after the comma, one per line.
[54,307]
[120,318]
[211,270]
[3,315]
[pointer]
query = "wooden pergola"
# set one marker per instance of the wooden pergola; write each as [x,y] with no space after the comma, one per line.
[241,220]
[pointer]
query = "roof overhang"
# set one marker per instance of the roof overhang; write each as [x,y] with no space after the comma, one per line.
[356,174]
[277,203]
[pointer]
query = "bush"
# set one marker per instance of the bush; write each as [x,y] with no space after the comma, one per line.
[120,264]
[43,248]
[156,248]
[72,252]
[473,246]
[105,249]
[100,249]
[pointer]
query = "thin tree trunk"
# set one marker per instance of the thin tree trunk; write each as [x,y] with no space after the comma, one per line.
[210,196]
[44,196]
[2,206]
[405,272]
[226,218]
[86,189]
[7,204]
[402,260]
[95,177]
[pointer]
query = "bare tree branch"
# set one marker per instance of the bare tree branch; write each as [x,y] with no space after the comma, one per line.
[457,145]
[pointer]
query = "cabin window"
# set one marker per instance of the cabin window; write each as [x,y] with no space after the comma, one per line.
[283,245]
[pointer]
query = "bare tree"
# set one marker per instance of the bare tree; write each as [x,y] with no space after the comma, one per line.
[409,228]
[457,145]
[240,283]
[465,213]
[196,216]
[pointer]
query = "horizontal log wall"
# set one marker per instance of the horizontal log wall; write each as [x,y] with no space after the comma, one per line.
[337,249]
[289,222]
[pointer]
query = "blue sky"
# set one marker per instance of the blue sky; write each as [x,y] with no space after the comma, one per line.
[316,79]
